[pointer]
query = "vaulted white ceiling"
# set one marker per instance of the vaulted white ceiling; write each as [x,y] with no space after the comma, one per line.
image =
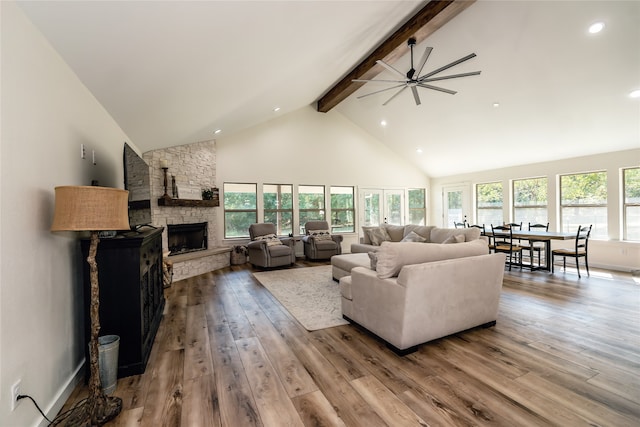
[172,72]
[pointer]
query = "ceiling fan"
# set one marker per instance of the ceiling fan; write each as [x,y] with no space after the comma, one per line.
[414,80]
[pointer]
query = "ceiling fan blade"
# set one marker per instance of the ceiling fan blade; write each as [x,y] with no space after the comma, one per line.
[396,94]
[379,81]
[390,68]
[446,67]
[381,90]
[424,58]
[414,89]
[452,76]
[452,92]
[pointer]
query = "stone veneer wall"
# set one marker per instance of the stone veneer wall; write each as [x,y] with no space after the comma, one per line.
[193,165]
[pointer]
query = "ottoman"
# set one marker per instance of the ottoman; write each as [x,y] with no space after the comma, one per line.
[341,265]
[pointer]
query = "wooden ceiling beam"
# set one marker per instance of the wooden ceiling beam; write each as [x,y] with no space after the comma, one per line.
[430,18]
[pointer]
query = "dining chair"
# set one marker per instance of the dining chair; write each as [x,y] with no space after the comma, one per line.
[537,246]
[503,242]
[580,250]
[462,224]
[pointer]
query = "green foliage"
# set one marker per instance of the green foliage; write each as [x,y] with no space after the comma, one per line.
[584,188]
[489,195]
[239,201]
[632,185]
[530,192]
[417,199]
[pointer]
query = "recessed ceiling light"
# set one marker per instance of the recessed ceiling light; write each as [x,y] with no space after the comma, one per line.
[383,123]
[596,27]
[635,93]
[419,150]
[217,131]
[276,109]
[496,104]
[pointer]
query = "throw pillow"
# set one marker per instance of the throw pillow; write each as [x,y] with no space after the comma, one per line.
[413,237]
[271,239]
[458,238]
[378,235]
[320,234]
[373,257]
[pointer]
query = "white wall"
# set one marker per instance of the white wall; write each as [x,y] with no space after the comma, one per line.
[311,148]
[612,253]
[46,114]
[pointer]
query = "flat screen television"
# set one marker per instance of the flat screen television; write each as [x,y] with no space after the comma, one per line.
[137,179]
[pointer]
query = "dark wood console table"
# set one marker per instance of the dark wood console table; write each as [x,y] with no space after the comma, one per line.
[131,294]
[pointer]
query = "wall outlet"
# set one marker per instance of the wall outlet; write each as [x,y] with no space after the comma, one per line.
[15,392]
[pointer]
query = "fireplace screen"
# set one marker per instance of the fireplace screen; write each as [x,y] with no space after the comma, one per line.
[183,238]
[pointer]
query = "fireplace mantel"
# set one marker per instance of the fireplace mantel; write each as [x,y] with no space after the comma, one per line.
[162,201]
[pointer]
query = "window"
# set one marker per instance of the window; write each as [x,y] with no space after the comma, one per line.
[342,210]
[583,201]
[631,210]
[530,201]
[489,204]
[278,206]
[240,209]
[310,204]
[417,206]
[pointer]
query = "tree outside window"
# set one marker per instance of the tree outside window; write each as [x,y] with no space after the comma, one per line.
[311,205]
[417,206]
[631,188]
[583,201]
[278,206]
[342,210]
[489,203]
[530,201]
[240,209]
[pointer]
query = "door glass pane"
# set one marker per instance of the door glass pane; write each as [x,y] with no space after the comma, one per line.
[454,208]
[371,209]
[393,208]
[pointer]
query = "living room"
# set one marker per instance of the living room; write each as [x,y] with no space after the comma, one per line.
[48,113]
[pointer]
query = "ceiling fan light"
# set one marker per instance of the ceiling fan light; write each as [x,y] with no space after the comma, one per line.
[635,93]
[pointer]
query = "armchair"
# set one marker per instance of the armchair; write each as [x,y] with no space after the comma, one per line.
[319,245]
[266,249]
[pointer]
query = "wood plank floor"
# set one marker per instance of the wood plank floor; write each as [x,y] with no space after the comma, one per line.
[565,352]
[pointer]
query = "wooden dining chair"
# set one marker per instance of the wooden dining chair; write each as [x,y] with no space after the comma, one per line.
[503,242]
[537,246]
[580,250]
[462,224]
[483,232]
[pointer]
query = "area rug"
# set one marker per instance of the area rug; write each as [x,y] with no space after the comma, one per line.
[308,293]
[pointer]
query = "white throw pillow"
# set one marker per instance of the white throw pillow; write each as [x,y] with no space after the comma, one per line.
[271,239]
[413,237]
[320,234]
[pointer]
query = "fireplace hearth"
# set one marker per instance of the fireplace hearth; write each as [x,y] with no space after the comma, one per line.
[185,238]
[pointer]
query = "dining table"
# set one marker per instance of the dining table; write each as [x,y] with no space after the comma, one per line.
[537,236]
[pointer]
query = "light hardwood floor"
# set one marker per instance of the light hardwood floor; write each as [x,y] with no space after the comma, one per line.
[565,352]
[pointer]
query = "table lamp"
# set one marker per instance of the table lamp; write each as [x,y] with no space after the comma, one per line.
[94,209]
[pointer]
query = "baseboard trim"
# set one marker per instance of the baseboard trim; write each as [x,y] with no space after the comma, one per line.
[63,394]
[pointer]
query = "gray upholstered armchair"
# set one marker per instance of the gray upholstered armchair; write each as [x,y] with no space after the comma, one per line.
[266,249]
[319,243]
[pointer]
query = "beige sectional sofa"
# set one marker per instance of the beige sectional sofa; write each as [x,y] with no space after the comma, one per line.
[418,292]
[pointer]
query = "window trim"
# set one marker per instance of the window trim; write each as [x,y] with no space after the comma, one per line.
[626,205]
[352,210]
[225,210]
[278,211]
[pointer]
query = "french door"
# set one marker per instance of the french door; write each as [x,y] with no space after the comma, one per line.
[380,206]
[456,204]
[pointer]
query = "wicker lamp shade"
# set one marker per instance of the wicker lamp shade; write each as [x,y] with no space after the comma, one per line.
[86,208]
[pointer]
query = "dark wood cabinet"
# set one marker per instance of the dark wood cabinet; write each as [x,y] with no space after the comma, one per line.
[131,294]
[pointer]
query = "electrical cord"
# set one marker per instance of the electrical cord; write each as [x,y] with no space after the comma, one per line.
[57,420]
[25,396]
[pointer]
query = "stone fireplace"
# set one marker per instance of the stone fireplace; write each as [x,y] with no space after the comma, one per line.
[192,165]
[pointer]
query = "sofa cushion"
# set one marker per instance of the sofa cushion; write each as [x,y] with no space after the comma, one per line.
[420,230]
[439,235]
[415,237]
[378,235]
[456,238]
[392,256]
[271,239]
[373,257]
[395,232]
